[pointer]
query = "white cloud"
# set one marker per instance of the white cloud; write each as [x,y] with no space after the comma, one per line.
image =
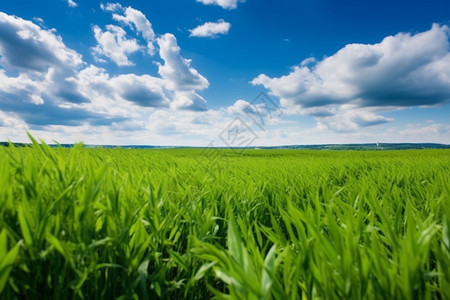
[143,90]
[114,95]
[350,119]
[189,100]
[308,61]
[211,29]
[111,7]
[227,4]
[177,71]
[39,21]
[176,87]
[9,121]
[72,3]
[29,90]
[240,107]
[114,45]
[45,84]
[34,83]
[179,81]
[426,131]
[136,20]
[259,114]
[401,71]
[187,127]
[175,127]
[43,48]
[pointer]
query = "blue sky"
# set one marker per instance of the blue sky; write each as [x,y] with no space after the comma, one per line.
[192,72]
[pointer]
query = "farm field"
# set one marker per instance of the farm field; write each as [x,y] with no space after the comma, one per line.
[257,224]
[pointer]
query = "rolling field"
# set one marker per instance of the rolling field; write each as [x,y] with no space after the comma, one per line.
[260,224]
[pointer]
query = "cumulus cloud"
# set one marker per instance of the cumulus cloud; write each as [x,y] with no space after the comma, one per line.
[8,121]
[21,86]
[114,45]
[179,82]
[37,72]
[44,64]
[72,3]
[176,88]
[20,39]
[143,90]
[241,107]
[176,70]
[115,94]
[45,85]
[28,100]
[350,119]
[211,29]
[401,71]
[189,100]
[136,20]
[227,4]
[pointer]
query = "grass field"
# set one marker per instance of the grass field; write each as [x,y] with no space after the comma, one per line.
[260,224]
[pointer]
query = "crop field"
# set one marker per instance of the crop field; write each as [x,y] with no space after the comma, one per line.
[85,223]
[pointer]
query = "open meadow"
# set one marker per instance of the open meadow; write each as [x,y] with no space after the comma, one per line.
[255,224]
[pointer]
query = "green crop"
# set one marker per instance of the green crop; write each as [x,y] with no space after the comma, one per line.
[84,223]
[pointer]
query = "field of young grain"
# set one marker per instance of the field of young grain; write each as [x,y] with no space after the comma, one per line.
[261,224]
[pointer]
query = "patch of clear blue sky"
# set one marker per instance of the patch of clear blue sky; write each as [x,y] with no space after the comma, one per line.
[266,36]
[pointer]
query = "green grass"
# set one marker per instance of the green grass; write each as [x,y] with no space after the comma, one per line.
[262,224]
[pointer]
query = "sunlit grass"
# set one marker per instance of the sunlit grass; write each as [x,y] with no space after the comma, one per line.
[261,224]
